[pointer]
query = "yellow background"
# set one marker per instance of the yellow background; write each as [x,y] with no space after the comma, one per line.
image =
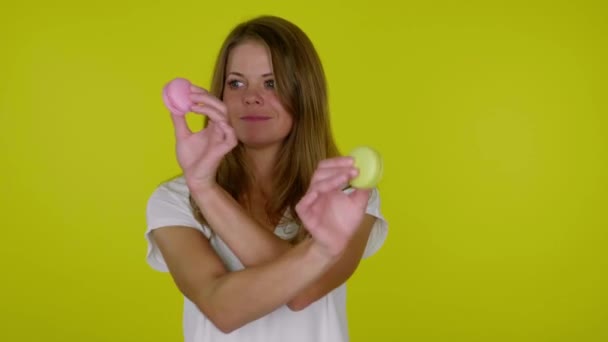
[491,117]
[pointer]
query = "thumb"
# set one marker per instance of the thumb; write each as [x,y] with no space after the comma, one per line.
[361,197]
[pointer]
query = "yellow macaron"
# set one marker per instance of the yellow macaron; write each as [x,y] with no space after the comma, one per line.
[369,163]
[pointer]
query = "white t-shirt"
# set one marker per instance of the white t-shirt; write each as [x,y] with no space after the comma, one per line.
[322,321]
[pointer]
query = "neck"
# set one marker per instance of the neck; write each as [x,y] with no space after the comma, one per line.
[263,161]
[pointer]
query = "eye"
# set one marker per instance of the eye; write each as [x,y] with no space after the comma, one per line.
[234,84]
[269,84]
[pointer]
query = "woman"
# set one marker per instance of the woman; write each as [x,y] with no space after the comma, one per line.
[273,231]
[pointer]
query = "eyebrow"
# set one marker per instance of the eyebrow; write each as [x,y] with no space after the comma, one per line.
[241,75]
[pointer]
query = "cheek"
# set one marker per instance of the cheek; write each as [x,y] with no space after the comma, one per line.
[277,106]
[229,98]
[232,103]
[286,121]
[290,123]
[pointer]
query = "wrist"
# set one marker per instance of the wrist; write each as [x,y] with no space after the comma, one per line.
[211,197]
[319,253]
[201,187]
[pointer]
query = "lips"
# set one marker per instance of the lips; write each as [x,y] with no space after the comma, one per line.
[255,118]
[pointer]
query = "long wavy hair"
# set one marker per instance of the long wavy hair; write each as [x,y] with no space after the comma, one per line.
[302,89]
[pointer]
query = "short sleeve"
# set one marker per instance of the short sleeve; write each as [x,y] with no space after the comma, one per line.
[379,231]
[169,205]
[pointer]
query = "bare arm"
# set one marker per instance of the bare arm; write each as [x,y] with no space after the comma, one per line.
[339,272]
[231,300]
[251,243]
[255,245]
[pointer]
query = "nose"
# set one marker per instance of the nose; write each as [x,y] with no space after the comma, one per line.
[253,97]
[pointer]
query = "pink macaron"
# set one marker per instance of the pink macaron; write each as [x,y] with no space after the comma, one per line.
[176,96]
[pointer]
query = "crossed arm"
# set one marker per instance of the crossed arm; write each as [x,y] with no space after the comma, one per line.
[256,246]
[299,275]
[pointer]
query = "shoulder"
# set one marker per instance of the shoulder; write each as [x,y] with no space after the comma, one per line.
[175,188]
[169,205]
[379,230]
[170,193]
[373,204]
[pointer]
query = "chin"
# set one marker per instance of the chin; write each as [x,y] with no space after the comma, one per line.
[259,142]
[258,145]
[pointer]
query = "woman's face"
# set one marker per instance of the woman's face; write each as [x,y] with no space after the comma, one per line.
[254,109]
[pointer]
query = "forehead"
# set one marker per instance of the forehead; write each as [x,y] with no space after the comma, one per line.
[250,57]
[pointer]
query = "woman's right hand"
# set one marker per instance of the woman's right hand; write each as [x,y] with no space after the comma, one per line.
[200,153]
[330,214]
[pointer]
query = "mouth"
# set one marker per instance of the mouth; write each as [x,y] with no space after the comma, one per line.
[255,118]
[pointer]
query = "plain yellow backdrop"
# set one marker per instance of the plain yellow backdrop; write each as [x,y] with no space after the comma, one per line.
[491,117]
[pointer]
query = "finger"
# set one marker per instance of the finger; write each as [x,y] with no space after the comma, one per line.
[197,89]
[229,134]
[224,136]
[336,162]
[209,100]
[217,140]
[324,173]
[303,207]
[332,183]
[215,133]
[180,126]
[212,113]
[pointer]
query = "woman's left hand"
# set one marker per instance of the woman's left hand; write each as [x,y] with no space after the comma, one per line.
[331,215]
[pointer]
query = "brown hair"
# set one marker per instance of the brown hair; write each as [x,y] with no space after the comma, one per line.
[302,89]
